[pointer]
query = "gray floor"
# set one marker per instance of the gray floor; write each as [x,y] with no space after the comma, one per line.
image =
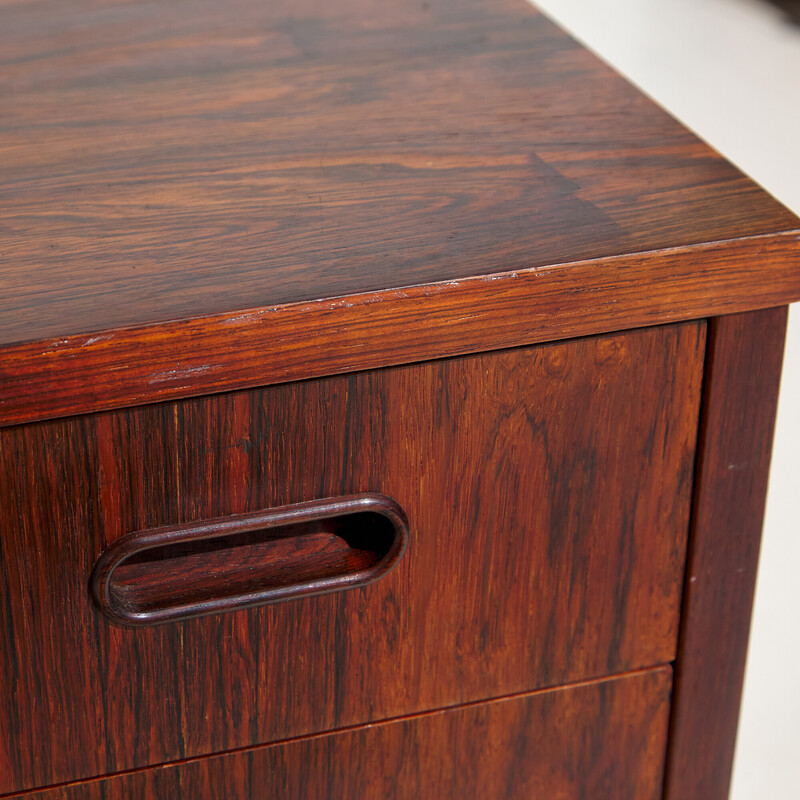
[730,70]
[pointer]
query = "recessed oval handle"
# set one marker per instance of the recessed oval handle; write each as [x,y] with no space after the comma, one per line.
[182,571]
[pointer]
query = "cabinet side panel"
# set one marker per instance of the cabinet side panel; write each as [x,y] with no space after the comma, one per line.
[740,399]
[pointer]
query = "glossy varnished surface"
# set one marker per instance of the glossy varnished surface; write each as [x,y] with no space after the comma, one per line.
[603,741]
[547,491]
[172,160]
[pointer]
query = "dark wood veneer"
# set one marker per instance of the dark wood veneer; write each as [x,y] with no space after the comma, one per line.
[547,492]
[255,254]
[199,198]
[740,398]
[603,740]
[259,347]
[190,159]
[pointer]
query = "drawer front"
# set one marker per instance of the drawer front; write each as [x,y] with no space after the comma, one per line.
[603,740]
[547,491]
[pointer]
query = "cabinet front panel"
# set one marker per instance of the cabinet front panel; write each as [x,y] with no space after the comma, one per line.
[547,492]
[603,740]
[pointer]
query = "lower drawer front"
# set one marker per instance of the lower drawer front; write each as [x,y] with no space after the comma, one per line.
[547,491]
[603,740]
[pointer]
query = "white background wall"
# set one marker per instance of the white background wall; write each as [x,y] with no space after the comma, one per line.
[730,70]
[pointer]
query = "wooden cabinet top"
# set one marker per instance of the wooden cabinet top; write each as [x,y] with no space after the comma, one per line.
[198,196]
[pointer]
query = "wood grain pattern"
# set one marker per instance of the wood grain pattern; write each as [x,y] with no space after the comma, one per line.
[261,347]
[603,740]
[200,160]
[740,398]
[547,492]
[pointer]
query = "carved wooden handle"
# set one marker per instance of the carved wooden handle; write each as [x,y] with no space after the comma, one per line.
[189,570]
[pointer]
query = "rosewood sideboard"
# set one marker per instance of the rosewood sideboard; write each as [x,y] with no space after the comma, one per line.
[386,402]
